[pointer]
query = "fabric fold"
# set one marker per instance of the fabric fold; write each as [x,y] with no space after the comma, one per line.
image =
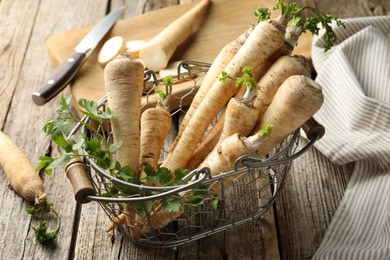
[355,77]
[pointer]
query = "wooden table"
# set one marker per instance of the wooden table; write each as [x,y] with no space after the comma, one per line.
[300,216]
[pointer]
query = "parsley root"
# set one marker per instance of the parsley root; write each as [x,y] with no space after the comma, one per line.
[116,221]
[220,62]
[224,155]
[19,171]
[239,117]
[124,80]
[158,51]
[282,69]
[155,124]
[261,43]
[296,100]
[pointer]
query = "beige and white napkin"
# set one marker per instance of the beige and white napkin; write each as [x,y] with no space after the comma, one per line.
[355,77]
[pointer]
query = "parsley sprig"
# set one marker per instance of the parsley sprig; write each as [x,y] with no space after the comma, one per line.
[262,14]
[42,234]
[291,11]
[246,80]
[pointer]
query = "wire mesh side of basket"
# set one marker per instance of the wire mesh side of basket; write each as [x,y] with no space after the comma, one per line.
[228,200]
[250,192]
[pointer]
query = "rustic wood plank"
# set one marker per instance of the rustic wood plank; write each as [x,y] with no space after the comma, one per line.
[308,201]
[17,237]
[13,47]
[28,25]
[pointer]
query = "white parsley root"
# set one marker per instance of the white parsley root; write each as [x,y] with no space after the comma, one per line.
[134,46]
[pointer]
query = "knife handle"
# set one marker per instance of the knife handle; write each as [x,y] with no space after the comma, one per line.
[60,78]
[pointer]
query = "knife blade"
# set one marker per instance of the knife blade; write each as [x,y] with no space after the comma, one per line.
[66,71]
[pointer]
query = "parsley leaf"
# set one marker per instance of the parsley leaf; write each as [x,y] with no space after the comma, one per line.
[42,235]
[262,14]
[171,204]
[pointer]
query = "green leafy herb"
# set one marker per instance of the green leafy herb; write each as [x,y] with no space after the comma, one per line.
[171,204]
[262,14]
[42,234]
[266,130]
[162,176]
[224,76]
[179,174]
[247,79]
[325,20]
[291,11]
[161,94]
[168,80]
[60,128]
[214,203]
[44,162]
[288,10]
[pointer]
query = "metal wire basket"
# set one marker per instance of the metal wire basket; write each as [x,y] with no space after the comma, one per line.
[255,186]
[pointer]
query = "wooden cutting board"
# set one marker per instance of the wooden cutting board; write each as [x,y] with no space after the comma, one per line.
[224,21]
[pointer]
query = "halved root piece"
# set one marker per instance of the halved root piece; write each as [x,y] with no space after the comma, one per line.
[160,49]
[133,47]
[110,49]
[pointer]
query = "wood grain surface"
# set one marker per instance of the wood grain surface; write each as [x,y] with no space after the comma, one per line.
[300,215]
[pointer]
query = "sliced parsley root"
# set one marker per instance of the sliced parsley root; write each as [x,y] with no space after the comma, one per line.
[110,49]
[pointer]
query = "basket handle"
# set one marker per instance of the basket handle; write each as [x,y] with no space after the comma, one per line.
[313,129]
[76,171]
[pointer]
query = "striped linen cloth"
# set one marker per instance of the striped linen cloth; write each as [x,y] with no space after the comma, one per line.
[355,77]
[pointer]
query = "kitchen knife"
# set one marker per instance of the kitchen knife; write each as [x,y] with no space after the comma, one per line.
[66,71]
